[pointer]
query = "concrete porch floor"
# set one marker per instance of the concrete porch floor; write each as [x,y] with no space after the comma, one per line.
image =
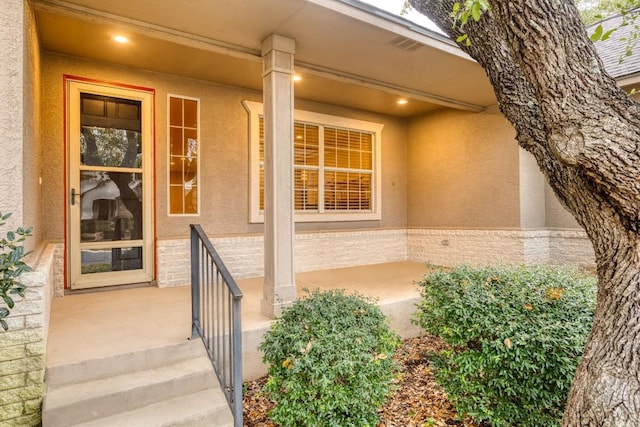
[95,325]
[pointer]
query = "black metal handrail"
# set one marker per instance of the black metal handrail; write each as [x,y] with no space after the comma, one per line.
[215,306]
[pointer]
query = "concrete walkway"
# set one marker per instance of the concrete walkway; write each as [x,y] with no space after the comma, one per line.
[101,324]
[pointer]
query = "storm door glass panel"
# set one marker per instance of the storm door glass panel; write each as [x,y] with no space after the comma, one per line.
[108,211]
[107,260]
[183,155]
[111,182]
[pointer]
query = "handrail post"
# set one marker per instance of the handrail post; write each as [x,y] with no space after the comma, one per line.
[237,361]
[195,282]
[226,299]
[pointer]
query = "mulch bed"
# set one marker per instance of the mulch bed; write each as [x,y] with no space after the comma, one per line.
[417,401]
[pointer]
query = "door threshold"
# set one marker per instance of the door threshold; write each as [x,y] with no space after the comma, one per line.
[151,284]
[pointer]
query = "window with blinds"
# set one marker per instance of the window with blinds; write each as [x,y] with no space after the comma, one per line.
[336,167]
[348,169]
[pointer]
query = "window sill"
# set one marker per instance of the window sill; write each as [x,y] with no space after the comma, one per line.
[326,217]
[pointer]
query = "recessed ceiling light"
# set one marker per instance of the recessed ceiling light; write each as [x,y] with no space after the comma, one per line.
[402,101]
[296,78]
[120,39]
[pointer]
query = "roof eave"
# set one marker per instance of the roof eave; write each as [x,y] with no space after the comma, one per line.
[397,24]
[628,80]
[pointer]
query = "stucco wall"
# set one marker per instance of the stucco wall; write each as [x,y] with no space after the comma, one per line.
[224,150]
[31,131]
[12,46]
[462,171]
[19,117]
[532,192]
[556,215]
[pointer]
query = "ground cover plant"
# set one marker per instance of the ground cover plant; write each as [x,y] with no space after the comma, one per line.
[417,400]
[330,360]
[516,335]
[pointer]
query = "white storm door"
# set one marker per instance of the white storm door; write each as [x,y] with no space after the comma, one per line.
[110,142]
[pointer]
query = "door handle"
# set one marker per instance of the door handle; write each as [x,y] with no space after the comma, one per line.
[73,196]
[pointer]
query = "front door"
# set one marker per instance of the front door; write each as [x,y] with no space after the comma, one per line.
[110,144]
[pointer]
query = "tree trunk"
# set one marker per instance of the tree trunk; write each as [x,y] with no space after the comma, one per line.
[585,135]
[606,388]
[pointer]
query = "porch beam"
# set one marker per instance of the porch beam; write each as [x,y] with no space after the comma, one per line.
[279,288]
[74,11]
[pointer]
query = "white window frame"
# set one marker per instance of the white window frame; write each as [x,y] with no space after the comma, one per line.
[256,110]
[198,195]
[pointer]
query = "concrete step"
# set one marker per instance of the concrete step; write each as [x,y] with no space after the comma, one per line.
[207,408]
[87,370]
[98,398]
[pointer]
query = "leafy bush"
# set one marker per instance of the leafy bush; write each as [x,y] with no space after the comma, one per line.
[516,335]
[330,361]
[11,267]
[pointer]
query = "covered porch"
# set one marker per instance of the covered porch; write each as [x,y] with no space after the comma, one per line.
[92,326]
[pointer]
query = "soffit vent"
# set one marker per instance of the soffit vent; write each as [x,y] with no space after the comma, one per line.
[404,43]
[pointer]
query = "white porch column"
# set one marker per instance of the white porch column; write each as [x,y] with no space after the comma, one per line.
[279,288]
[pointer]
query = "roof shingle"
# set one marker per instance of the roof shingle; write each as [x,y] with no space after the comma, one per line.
[613,49]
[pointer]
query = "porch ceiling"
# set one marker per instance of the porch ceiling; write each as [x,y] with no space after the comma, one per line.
[346,52]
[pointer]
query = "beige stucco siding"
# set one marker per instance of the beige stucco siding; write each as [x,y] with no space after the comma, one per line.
[19,87]
[11,86]
[224,151]
[31,132]
[556,215]
[532,192]
[462,171]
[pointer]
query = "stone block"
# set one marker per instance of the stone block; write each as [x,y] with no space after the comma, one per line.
[23,336]
[35,377]
[25,307]
[35,363]
[35,349]
[11,396]
[15,323]
[12,381]
[30,420]
[14,366]
[21,394]
[34,321]
[33,406]
[32,294]
[9,412]
[12,352]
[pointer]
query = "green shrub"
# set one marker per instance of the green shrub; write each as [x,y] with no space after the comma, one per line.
[11,267]
[330,361]
[516,335]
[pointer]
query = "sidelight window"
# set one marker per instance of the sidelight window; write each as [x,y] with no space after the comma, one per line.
[184,160]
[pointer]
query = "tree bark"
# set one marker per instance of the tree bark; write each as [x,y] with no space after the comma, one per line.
[584,133]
